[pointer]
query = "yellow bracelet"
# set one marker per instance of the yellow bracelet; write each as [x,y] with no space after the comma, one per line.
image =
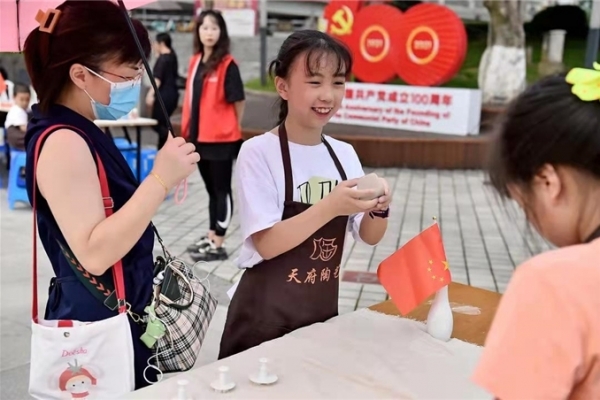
[158,178]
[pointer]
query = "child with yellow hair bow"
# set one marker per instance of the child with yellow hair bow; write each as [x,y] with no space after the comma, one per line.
[544,342]
[586,82]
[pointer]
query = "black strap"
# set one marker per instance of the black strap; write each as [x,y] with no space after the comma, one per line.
[287,162]
[101,288]
[19,25]
[593,236]
[336,161]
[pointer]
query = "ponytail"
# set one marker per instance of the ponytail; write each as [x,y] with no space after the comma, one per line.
[274,70]
[36,51]
[283,111]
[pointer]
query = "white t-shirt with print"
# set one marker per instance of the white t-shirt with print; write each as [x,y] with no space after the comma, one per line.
[260,184]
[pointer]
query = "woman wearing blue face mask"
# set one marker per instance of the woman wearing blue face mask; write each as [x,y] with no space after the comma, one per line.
[88,68]
[123,95]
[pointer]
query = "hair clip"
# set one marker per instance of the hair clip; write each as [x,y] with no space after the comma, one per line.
[47,20]
[586,82]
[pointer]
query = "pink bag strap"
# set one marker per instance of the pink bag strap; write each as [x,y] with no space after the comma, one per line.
[117,269]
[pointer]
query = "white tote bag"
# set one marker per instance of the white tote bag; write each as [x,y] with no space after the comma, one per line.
[83,361]
[80,360]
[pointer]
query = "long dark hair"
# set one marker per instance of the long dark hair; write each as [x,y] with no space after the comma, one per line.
[314,44]
[221,48]
[546,124]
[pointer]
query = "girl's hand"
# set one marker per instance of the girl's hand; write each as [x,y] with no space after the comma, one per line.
[383,202]
[345,199]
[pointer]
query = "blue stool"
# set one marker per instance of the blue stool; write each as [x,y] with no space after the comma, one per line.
[4,149]
[128,150]
[148,156]
[16,178]
[124,144]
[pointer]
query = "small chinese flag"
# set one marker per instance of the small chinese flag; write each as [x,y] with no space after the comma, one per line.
[416,270]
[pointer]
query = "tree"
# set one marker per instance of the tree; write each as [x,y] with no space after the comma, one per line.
[503,66]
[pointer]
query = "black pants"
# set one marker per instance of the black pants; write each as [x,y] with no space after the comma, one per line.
[217,179]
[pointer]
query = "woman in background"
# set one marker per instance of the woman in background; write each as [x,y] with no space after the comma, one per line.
[212,114]
[165,74]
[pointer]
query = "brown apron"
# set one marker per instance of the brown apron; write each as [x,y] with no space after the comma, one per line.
[293,290]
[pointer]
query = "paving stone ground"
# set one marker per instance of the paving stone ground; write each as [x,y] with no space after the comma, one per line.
[484,241]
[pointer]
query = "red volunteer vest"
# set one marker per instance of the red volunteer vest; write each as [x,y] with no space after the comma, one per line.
[218,121]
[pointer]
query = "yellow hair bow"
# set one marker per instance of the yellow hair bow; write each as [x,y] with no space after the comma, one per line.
[586,82]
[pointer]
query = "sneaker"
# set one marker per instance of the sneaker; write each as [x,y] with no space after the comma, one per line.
[199,245]
[210,253]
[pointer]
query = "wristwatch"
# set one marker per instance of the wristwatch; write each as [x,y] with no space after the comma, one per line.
[380,214]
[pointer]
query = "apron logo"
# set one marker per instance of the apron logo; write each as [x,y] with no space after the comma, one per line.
[312,276]
[324,249]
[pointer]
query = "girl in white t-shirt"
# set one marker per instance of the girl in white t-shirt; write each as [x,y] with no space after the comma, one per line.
[297,199]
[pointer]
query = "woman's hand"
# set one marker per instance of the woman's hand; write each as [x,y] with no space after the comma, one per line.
[175,161]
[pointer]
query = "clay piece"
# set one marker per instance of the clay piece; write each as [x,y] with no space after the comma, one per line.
[371,182]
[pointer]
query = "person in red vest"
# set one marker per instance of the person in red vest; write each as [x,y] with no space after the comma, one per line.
[212,114]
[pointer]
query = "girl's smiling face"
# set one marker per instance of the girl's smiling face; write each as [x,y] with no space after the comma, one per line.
[314,88]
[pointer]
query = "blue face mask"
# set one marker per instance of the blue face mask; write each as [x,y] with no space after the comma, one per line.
[124,96]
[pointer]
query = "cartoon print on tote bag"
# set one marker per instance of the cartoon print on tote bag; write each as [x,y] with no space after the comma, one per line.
[77,381]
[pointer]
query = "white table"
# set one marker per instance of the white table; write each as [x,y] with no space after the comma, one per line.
[138,124]
[360,355]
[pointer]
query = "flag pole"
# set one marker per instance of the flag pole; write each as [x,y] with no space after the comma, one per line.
[440,321]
